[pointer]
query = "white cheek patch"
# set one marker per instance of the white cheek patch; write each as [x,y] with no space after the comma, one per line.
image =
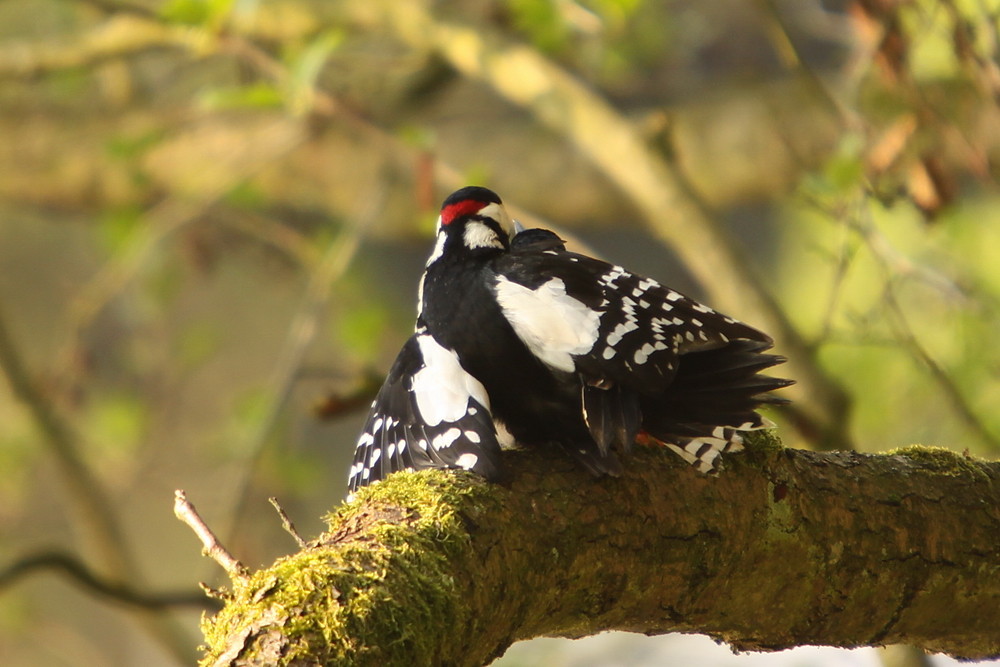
[479,235]
[551,323]
[442,388]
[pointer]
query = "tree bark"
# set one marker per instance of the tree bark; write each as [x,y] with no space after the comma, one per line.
[783,548]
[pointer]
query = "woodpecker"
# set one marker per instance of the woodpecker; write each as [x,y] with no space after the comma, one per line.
[520,341]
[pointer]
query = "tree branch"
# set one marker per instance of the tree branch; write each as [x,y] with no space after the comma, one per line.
[784,548]
[114,591]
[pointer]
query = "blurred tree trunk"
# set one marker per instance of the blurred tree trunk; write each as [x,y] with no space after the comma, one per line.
[784,548]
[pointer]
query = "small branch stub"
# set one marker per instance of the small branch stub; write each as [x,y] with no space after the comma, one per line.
[186,512]
[287,524]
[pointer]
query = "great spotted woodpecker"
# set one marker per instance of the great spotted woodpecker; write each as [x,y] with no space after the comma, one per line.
[520,341]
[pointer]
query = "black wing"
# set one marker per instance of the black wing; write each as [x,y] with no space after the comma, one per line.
[648,358]
[631,330]
[429,413]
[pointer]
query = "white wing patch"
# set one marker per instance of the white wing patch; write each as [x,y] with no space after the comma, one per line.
[442,388]
[551,323]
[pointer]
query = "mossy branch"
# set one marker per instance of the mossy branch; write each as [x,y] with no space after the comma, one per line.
[784,548]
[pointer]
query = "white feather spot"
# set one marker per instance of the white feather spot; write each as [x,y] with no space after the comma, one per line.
[467,460]
[620,331]
[609,352]
[446,439]
[375,456]
[674,296]
[472,436]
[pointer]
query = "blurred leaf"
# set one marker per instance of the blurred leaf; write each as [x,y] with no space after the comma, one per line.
[305,67]
[299,471]
[258,95]
[115,425]
[195,12]
[417,136]
[197,343]
[845,169]
[244,418]
[542,22]
[117,225]
[360,330]
[129,147]
[248,195]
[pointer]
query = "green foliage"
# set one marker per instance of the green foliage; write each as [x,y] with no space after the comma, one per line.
[196,12]
[115,426]
[360,330]
[257,95]
[118,226]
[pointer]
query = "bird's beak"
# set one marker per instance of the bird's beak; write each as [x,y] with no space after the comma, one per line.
[518,227]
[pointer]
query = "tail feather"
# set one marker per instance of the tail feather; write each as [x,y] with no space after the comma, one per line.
[714,395]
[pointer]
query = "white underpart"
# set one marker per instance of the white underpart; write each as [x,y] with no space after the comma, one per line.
[479,235]
[551,323]
[442,388]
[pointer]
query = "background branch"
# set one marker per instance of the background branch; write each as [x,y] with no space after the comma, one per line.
[97,519]
[114,591]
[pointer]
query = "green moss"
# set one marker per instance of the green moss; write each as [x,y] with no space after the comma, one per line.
[764,441]
[391,586]
[941,460]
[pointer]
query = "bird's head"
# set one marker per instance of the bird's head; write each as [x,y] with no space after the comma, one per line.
[473,219]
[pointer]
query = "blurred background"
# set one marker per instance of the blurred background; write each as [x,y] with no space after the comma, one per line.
[214,213]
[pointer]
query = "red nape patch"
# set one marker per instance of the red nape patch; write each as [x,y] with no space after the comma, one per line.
[460,208]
